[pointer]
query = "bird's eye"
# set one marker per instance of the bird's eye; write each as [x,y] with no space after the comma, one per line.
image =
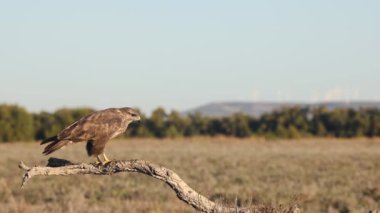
[133,115]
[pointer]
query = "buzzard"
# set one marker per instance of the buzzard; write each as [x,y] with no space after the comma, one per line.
[96,129]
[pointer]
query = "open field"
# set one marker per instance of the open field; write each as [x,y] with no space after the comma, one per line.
[320,175]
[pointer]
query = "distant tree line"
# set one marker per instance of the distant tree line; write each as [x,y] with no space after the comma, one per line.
[17,124]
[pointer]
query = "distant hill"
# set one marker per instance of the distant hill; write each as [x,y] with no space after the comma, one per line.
[219,109]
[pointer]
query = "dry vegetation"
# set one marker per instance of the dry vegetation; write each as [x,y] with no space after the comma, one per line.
[319,175]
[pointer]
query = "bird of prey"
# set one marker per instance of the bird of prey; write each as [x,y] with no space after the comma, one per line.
[96,129]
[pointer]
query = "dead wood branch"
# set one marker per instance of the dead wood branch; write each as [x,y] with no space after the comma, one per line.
[183,191]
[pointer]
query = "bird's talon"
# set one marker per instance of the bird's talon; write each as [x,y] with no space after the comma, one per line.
[107,162]
[97,163]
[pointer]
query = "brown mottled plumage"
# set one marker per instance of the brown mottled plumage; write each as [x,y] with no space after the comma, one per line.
[96,128]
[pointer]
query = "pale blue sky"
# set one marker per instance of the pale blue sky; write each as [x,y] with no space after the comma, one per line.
[180,54]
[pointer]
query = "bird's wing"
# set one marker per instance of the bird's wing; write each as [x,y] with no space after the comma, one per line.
[101,124]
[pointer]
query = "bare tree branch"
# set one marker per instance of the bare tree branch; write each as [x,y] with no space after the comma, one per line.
[183,191]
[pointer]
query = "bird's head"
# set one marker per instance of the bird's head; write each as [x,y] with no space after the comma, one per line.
[131,114]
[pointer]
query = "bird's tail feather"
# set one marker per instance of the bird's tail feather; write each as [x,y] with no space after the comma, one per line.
[47,140]
[54,146]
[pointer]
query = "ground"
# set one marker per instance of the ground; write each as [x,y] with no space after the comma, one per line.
[320,175]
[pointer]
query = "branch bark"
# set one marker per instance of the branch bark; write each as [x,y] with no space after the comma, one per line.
[184,192]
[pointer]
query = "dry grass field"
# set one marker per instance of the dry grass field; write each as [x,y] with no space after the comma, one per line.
[320,175]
